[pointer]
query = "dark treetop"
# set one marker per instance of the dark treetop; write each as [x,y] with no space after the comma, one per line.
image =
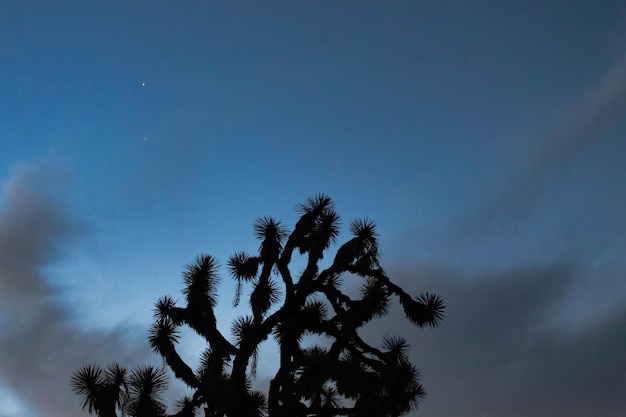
[341,376]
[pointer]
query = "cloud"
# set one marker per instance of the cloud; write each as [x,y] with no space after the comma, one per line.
[504,348]
[586,124]
[522,337]
[40,345]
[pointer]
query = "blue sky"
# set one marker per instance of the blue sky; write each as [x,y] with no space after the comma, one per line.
[486,139]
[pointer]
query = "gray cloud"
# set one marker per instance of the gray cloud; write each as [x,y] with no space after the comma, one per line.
[40,345]
[505,349]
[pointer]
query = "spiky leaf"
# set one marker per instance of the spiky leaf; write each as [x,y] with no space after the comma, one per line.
[201,281]
[426,310]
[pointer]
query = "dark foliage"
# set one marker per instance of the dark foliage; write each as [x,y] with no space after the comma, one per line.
[342,375]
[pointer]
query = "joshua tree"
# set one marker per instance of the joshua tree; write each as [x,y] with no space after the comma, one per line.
[341,375]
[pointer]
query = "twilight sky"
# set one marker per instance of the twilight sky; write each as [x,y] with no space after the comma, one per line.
[486,138]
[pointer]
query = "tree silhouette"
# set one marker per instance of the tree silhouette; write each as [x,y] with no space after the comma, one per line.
[339,375]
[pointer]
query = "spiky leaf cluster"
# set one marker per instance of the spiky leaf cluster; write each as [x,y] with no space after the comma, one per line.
[116,391]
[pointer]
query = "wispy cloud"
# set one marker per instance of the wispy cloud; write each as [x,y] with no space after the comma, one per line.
[583,126]
[40,345]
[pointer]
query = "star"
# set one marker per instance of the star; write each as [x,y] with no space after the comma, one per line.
[143,84]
